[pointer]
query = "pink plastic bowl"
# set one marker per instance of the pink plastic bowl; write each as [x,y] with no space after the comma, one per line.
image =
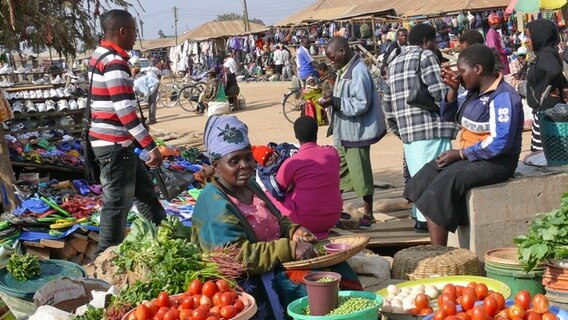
[332,248]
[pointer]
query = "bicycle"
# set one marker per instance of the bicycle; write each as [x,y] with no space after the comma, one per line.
[189,97]
[170,93]
[293,103]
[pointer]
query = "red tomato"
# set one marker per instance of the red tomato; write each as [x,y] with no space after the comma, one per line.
[426,311]
[523,299]
[212,318]
[515,311]
[467,300]
[451,289]
[158,316]
[463,316]
[452,318]
[199,314]
[173,314]
[491,306]
[468,290]
[215,309]
[449,307]
[205,301]
[532,315]
[440,315]
[209,289]
[163,300]
[142,312]
[540,303]
[472,284]
[186,313]
[222,285]
[481,291]
[196,300]
[479,313]
[233,294]
[459,290]
[227,299]
[240,305]
[187,303]
[445,297]
[163,310]
[228,312]
[422,301]
[413,311]
[500,300]
[216,298]
[195,287]
[152,307]
[549,316]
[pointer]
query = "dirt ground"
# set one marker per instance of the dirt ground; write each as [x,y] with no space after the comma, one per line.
[263,115]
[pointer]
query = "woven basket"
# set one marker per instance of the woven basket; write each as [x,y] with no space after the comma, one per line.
[358,244]
[422,262]
[554,137]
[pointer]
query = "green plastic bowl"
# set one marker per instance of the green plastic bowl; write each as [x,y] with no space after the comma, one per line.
[296,308]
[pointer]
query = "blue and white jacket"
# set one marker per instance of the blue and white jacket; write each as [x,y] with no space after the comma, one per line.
[495,116]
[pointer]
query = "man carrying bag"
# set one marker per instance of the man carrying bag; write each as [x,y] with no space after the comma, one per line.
[113,129]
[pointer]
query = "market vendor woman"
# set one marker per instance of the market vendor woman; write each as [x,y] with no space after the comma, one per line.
[233,209]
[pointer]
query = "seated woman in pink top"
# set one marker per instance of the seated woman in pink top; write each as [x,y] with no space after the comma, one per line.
[311,180]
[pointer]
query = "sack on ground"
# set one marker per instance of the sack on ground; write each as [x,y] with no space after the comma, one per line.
[217,108]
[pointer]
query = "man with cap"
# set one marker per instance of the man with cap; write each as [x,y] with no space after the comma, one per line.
[493,40]
[518,76]
[311,178]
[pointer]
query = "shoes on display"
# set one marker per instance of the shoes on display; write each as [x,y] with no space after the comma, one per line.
[57,80]
[46,94]
[60,93]
[30,107]
[6,69]
[25,95]
[62,105]
[72,105]
[82,103]
[41,107]
[32,94]
[52,93]
[67,92]
[17,108]
[50,105]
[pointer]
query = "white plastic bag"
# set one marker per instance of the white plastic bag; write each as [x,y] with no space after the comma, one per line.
[217,108]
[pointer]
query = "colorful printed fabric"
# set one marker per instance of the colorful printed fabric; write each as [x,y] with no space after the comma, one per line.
[224,135]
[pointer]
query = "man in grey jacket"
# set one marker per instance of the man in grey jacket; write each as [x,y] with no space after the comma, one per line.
[357,122]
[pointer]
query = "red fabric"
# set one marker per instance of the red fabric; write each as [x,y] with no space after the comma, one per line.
[261,154]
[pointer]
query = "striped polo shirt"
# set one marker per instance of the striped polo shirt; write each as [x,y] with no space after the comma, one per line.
[113,105]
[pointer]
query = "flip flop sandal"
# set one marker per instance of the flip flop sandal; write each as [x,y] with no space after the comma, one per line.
[12,236]
[55,206]
[55,233]
[37,229]
[64,146]
[4,225]
[13,219]
[48,213]
[43,143]
[67,184]
[35,206]
[50,219]
[7,232]
[19,211]
[82,185]
[96,189]
[189,166]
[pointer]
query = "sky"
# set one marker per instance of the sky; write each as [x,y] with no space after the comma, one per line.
[158,14]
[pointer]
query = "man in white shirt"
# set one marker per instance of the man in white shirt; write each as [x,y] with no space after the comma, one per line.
[278,61]
[287,70]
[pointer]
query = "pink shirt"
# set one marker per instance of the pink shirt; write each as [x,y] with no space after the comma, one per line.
[493,40]
[263,222]
[314,200]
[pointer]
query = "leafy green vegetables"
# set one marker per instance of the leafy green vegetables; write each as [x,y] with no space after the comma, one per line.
[92,313]
[547,237]
[24,267]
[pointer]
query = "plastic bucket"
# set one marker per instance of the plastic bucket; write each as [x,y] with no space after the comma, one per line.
[516,279]
[554,136]
[323,296]
[296,308]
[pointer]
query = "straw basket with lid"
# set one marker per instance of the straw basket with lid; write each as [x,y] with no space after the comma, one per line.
[422,262]
[502,264]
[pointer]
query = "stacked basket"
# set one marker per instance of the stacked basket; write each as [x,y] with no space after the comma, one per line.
[555,281]
[422,262]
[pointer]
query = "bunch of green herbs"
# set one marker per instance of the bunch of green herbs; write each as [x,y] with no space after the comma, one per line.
[547,237]
[24,267]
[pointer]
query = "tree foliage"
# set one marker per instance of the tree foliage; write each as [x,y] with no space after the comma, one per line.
[236,16]
[60,24]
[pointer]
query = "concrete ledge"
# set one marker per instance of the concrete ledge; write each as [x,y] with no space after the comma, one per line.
[497,213]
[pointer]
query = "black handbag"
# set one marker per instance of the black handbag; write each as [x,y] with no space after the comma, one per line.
[171,183]
[419,96]
[92,169]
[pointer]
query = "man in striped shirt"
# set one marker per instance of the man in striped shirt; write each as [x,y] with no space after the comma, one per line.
[115,130]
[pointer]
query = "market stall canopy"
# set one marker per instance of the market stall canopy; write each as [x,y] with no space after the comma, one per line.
[219,29]
[151,44]
[326,10]
[534,5]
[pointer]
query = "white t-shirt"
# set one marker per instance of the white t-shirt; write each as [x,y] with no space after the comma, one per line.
[285,57]
[231,64]
[278,57]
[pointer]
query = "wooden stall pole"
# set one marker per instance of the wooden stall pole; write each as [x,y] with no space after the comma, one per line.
[7,178]
[374,27]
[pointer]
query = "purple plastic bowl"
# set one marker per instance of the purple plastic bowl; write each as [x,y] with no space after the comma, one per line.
[332,248]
